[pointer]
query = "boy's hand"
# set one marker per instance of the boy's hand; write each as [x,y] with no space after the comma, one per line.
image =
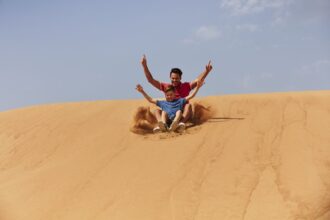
[139,88]
[208,67]
[144,60]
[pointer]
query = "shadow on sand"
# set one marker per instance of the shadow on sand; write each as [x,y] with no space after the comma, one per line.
[222,119]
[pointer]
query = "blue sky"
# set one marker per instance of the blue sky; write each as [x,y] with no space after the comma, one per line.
[70,50]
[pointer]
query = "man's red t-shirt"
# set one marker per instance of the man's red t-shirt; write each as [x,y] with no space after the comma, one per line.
[181,91]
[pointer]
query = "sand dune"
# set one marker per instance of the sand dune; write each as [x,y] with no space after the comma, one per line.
[261,156]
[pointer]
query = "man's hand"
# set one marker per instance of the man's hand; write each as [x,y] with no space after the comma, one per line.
[144,60]
[208,67]
[139,88]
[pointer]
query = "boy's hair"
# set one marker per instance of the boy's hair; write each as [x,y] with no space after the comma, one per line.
[177,71]
[169,88]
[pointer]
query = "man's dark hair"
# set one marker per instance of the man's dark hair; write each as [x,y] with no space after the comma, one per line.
[177,71]
[169,88]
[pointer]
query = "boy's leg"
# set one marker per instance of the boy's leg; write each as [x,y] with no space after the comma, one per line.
[178,115]
[187,112]
[164,117]
[161,126]
[158,114]
[162,123]
[176,120]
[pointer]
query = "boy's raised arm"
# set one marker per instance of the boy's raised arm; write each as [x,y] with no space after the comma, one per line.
[192,95]
[139,88]
[202,76]
[148,75]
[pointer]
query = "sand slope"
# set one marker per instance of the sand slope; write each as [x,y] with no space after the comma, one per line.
[261,157]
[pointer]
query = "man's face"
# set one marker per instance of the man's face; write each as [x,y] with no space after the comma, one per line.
[175,79]
[170,96]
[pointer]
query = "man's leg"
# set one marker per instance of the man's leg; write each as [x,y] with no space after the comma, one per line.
[187,113]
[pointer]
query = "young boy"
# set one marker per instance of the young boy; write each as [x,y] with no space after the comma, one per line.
[171,108]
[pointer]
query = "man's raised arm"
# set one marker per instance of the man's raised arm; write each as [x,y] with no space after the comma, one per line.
[149,77]
[202,76]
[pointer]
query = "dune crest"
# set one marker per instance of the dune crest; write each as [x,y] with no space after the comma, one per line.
[263,156]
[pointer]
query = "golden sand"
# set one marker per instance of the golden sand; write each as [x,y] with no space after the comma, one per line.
[263,156]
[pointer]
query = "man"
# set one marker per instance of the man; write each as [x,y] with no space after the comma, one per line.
[181,89]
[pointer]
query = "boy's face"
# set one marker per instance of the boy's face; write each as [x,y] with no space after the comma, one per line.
[170,96]
[175,79]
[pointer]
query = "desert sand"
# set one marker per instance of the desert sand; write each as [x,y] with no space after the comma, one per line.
[261,156]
